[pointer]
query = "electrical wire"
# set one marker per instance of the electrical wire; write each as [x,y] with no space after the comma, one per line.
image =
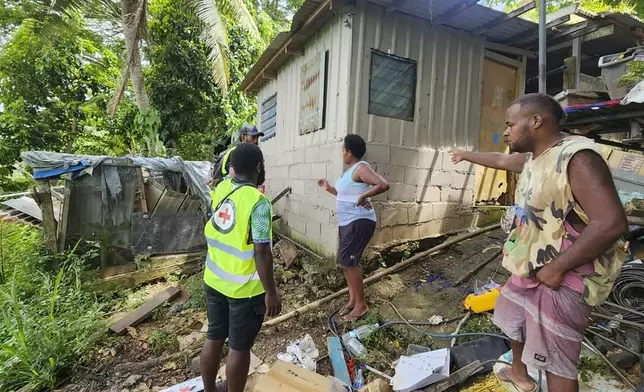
[627,296]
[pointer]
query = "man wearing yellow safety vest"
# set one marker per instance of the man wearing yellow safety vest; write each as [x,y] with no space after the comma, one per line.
[247,134]
[239,285]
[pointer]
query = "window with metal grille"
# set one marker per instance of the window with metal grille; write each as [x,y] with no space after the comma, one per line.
[392,86]
[268,117]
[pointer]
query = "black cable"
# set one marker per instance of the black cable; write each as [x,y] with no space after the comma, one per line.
[627,297]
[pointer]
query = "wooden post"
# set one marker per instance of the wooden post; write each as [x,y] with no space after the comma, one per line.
[42,195]
[570,76]
[64,214]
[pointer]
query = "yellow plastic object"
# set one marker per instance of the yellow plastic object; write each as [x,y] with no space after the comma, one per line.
[482,302]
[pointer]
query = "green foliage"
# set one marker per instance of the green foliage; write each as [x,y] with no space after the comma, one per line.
[51,89]
[161,342]
[194,287]
[48,322]
[633,75]
[597,6]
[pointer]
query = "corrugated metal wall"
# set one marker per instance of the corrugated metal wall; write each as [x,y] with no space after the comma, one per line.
[448,83]
[335,37]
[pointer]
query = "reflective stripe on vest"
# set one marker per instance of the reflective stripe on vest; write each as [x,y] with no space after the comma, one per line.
[224,161]
[228,277]
[230,264]
[244,256]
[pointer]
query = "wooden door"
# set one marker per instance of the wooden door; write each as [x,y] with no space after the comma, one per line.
[499,90]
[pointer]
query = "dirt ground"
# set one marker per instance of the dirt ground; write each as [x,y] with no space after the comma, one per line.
[419,292]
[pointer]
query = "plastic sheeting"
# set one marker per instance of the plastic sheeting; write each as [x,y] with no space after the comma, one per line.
[196,173]
[636,95]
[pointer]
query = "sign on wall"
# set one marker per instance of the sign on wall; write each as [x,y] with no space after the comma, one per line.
[312,94]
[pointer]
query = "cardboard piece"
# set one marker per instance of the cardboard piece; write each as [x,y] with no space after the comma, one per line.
[194,385]
[418,371]
[286,377]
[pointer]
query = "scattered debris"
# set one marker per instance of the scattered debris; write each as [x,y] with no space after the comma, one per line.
[377,385]
[435,319]
[420,370]
[301,352]
[130,381]
[142,312]
[194,385]
[286,377]
[336,355]
[285,253]
[187,340]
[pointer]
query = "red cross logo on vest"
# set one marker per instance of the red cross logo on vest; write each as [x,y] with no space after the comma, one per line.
[224,218]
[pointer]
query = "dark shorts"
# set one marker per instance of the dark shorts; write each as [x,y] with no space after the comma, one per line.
[239,320]
[354,238]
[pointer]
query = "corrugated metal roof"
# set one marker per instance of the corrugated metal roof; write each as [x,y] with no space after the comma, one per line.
[468,19]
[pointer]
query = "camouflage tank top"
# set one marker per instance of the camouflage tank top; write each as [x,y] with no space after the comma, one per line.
[543,200]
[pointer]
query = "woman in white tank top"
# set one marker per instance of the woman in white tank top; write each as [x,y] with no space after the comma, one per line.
[356,219]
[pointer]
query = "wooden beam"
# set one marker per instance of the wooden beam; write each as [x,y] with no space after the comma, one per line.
[42,195]
[136,317]
[509,49]
[64,214]
[562,12]
[504,18]
[601,32]
[499,58]
[457,9]
[535,30]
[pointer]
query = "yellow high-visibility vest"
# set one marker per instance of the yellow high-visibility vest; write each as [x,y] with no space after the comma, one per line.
[230,261]
[224,161]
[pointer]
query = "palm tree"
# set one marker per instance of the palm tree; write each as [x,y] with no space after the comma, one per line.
[215,33]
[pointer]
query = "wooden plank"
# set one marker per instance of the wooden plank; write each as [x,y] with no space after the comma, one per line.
[142,202]
[504,18]
[142,312]
[336,355]
[42,195]
[119,270]
[64,215]
[161,267]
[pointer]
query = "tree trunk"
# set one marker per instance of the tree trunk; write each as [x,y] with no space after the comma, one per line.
[133,15]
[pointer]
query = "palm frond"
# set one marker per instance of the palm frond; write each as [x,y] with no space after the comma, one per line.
[242,15]
[215,35]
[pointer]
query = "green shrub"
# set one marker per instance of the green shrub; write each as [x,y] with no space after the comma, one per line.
[48,323]
[633,75]
[163,341]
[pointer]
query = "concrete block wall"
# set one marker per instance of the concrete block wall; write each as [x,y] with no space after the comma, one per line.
[428,195]
[308,213]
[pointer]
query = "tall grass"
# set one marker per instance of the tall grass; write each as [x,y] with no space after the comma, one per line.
[48,322]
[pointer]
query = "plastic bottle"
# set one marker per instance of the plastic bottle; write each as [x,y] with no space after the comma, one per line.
[363,331]
[358,382]
[353,345]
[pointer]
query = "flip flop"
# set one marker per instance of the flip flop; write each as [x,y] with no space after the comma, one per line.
[350,317]
[505,378]
[344,311]
[221,386]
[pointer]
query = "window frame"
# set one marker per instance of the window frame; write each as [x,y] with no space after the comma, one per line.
[376,52]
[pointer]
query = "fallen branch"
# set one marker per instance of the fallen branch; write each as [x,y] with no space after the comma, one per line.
[379,275]
[477,269]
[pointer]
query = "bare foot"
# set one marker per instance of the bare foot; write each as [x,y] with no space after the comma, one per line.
[346,309]
[523,383]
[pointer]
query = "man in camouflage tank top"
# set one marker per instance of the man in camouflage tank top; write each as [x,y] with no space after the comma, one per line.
[560,248]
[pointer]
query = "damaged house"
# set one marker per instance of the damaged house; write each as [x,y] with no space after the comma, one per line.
[414,79]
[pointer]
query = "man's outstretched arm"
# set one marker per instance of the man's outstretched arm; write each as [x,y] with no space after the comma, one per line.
[494,160]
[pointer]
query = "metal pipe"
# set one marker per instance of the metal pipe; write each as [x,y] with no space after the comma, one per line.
[612,342]
[542,46]
[609,363]
[378,372]
[625,322]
